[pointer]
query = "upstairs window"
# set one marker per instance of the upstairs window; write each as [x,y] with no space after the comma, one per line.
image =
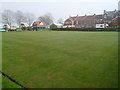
[76,22]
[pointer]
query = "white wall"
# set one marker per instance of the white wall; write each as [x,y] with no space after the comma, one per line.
[100,26]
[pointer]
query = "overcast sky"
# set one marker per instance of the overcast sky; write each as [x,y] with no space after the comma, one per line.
[60,8]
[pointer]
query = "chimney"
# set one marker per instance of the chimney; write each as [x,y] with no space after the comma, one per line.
[94,14]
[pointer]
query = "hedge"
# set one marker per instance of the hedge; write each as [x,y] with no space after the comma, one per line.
[85,29]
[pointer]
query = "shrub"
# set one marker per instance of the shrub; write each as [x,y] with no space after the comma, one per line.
[84,29]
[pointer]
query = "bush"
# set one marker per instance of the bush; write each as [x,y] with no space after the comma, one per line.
[24,28]
[11,30]
[29,28]
[84,29]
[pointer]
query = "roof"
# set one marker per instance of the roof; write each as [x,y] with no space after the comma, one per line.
[90,17]
[118,17]
[36,22]
[99,16]
[80,18]
[110,13]
[72,18]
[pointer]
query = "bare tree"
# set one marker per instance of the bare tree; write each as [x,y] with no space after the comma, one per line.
[20,18]
[47,18]
[60,21]
[8,17]
[30,17]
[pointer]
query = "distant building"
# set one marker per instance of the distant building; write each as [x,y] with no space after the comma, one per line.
[87,21]
[70,22]
[109,17]
[115,22]
[39,26]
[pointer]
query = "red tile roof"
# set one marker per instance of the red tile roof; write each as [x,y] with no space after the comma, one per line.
[80,18]
[37,24]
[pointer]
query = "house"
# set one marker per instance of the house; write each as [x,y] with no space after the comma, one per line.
[99,21]
[70,22]
[105,20]
[115,22]
[87,21]
[109,15]
[39,26]
[79,21]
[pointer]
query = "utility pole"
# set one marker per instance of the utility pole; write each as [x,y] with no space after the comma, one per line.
[105,17]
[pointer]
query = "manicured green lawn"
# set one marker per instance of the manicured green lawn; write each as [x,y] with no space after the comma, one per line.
[54,59]
[8,84]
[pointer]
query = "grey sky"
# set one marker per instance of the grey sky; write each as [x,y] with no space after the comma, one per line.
[61,8]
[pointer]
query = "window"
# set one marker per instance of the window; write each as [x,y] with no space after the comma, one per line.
[76,22]
[101,25]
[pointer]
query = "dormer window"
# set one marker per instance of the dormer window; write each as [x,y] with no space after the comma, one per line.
[41,23]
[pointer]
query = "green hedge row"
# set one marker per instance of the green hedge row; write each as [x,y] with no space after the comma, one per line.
[85,29]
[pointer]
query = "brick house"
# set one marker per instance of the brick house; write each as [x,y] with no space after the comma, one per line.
[87,21]
[70,22]
[115,22]
[79,21]
[109,17]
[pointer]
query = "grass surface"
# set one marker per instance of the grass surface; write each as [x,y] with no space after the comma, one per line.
[62,59]
[8,84]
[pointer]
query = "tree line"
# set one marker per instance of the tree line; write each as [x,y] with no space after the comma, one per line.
[10,18]
[19,18]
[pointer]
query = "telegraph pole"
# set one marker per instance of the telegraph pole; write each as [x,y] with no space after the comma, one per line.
[105,16]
